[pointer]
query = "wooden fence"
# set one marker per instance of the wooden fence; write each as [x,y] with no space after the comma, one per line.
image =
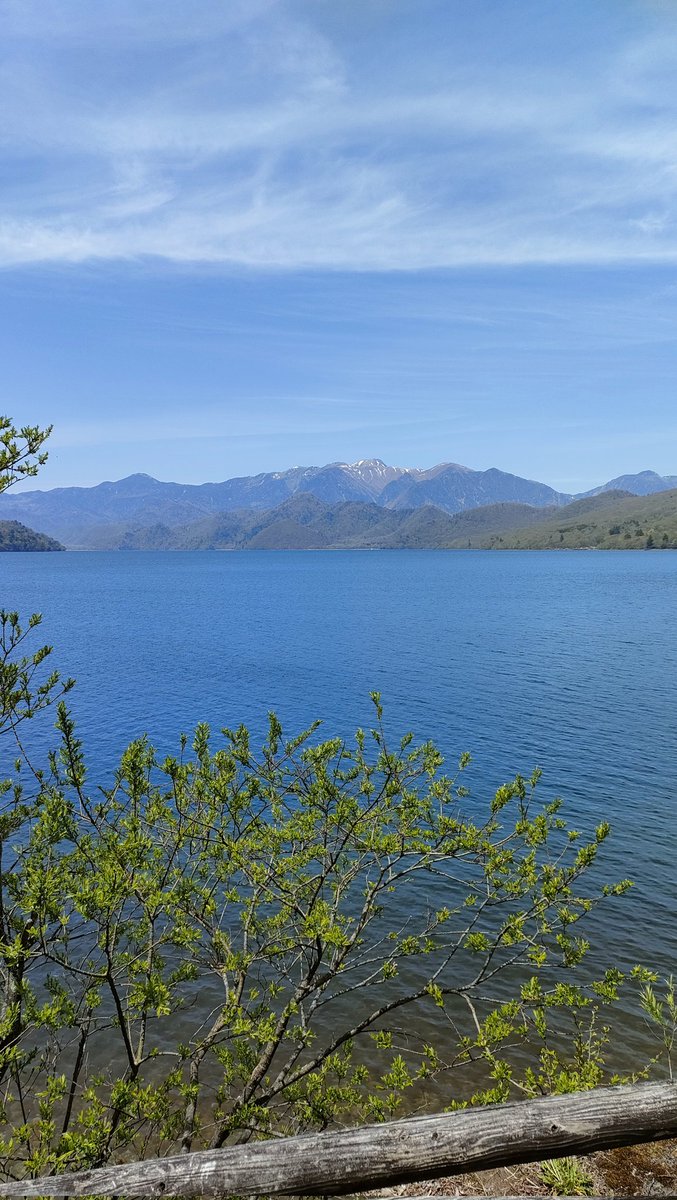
[376,1156]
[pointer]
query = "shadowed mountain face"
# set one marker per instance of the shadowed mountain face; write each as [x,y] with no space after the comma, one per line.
[146,500]
[108,514]
[454,488]
[610,520]
[644,483]
[303,522]
[69,513]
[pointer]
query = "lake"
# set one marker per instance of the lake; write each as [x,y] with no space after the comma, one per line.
[565,660]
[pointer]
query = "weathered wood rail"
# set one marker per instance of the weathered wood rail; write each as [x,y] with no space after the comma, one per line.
[374,1156]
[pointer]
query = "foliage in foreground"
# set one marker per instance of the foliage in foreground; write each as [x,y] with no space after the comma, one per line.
[227,944]
[21,453]
[231,944]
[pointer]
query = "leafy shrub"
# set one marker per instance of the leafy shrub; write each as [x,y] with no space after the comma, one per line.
[231,944]
[203,951]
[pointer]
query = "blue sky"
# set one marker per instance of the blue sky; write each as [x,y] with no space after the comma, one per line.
[242,235]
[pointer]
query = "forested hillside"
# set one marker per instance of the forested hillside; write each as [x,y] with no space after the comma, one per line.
[14,536]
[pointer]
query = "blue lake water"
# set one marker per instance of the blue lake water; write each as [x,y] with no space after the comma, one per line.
[565,660]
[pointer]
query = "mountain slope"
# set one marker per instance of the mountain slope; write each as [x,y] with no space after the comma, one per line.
[303,523]
[610,521]
[643,483]
[430,528]
[16,537]
[70,513]
[454,488]
[141,511]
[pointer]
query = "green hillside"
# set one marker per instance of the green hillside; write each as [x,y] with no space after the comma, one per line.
[610,520]
[431,528]
[619,523]
[17,537]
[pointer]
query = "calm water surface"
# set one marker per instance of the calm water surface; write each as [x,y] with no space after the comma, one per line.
[565,660]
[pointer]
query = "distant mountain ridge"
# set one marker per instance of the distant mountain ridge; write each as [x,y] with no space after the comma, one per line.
[304,522]
[644,483]
[454,488]
[78,516]
[68,512]
[610,520]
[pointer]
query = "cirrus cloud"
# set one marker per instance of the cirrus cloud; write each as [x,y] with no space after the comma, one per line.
[252,135]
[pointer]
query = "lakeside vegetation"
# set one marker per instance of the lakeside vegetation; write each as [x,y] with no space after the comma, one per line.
[234,943]
[225,944]
[621,523]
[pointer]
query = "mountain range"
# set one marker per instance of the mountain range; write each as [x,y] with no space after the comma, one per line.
[115,513]
[608,520]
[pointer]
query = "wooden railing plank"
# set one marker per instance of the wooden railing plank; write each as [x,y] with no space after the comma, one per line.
[373,1156]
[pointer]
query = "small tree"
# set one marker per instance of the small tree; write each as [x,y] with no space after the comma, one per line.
[230,944]
[25,690]
[21,451]
[21,695]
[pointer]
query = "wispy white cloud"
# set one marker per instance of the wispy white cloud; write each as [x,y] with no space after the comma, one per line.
[240,134]
[226,427]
